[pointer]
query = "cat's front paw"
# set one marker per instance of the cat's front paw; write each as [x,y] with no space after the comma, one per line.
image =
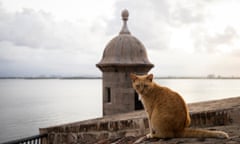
[149,135]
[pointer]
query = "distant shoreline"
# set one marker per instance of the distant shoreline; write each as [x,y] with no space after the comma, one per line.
[32,78]
[197,77]
[93,77]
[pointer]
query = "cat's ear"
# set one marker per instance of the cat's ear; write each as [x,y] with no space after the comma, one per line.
[150,77]
[133,77]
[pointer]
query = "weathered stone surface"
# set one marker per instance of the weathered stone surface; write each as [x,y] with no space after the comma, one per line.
[232,130]
[131,127]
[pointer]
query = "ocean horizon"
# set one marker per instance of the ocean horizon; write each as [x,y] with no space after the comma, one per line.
[29,104]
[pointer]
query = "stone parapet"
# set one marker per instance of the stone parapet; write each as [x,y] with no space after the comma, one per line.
[205,114]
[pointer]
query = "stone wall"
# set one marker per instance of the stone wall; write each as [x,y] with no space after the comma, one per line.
[205,114]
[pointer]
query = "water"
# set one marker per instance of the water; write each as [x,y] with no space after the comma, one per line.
[26,105]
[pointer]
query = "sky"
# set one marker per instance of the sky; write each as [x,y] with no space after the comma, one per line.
[67,37]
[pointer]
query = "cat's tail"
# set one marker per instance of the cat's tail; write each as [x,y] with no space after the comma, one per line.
[201,133]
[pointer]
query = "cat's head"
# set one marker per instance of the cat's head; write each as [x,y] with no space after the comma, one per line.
[142,83]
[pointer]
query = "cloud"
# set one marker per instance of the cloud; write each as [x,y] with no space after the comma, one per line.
[182,38]
[157,22]
[148,25]
[187,35]
[25,61]
[227,36]
[185,13]
[40,29]
[34,43]
[221,41]
[26,28]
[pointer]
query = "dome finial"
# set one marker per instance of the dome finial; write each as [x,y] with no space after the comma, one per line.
[125,15]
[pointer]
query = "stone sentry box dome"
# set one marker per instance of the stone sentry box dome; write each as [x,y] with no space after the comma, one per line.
[123,55]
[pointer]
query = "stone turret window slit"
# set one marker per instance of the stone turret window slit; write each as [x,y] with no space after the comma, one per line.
[108,93]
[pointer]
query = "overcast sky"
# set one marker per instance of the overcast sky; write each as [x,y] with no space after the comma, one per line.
[67,37]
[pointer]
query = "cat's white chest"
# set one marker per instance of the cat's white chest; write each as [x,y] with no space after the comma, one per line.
[139,97]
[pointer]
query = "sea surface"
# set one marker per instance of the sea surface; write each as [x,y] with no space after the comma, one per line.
[27,105]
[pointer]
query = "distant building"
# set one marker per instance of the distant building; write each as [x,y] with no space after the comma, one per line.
[211,76]
[123,55]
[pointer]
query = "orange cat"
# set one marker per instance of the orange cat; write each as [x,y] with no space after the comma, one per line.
[167,112]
